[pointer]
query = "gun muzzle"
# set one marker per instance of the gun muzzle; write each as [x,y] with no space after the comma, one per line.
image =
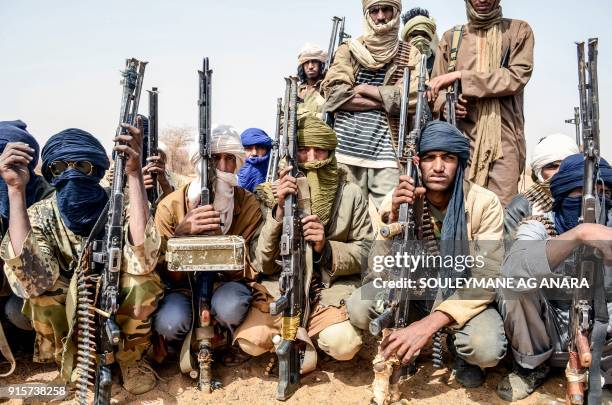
[382,322]
[390,231]
[278,306]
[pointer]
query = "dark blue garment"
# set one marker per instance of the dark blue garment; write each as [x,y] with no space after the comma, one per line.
[570,176]
[255,136]
[254,172]
[80,197]
[15,131]
[442,136]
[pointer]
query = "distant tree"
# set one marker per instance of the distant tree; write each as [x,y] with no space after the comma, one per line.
[178,141]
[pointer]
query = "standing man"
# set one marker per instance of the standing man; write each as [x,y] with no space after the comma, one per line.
[44,244]
[363,89]
[311,67]
[257,145]
[493,63]
[420,31]
[537,200]
[455,211]
[537,319]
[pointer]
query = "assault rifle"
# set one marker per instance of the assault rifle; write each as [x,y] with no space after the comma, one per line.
[103,339]
[589,314]
[273,165]
[337,36]
[292,301]
[452,95]
[576,123]
[151,144]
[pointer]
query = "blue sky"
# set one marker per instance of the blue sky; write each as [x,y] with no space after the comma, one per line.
[61,59]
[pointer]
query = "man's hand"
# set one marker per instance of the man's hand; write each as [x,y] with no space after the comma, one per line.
[599,237]
[441,82]
[368,91]
[14,165]
[313,231]
[157,166]
[200,221]
[287,185]
[406,193]
[132,147]
[461,110]
[406,343]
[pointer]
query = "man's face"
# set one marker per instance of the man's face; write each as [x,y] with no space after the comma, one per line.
[439,169]
[255,151]
[312,69]
[225,162]
[381,14]
[482,6]
[550,170]
[312,154]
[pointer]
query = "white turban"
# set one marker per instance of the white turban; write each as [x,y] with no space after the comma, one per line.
[311,52]
[224,139]
[551,149]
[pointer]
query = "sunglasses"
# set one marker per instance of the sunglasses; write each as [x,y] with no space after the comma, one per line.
[57,167]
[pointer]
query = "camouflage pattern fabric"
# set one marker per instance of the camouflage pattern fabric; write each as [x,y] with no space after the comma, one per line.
[44,274]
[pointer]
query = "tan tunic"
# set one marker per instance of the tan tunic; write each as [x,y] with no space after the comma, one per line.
[506,83]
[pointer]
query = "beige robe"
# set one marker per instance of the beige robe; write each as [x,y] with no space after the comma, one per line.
[507,84]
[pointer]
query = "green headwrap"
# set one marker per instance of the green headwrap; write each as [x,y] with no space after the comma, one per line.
[322,175]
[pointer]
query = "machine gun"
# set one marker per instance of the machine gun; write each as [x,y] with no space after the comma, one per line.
[337,36]
[292,302]
[588,314]
[576,123]
[98,332]
[151,144]
[271,176]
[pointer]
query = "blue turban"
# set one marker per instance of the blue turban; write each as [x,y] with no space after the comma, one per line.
[442,136]
[80,197]
[567,210]
[15,131]
[255,168]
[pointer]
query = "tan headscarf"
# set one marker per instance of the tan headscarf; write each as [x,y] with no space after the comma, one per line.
[380,43]
[311,52]
[488,145]
[426,25]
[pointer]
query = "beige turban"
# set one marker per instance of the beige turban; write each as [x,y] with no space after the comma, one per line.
[224,139]
[379,44]
[419,23]
[311,52]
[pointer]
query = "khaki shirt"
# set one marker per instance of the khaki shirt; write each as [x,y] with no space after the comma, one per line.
[485,223]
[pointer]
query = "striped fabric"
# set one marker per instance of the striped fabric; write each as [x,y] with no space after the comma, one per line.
[364,138]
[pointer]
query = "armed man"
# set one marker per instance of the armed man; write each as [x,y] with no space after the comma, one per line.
[456,210]
[310,72]
[339,231]
[13,133]
[362,89]
[45,244]
[420,31]
[492,59]
[257,146]
[537,200]
[536,319]
[166,180]
[234,211]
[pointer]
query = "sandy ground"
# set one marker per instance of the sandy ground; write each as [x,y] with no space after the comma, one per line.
[332,383]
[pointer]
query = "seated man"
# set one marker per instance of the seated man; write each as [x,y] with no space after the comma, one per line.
[234,212]
[42,248]
[339,231]
[536,322]
[459,210]
[545,160]
[257,145]
[12,135]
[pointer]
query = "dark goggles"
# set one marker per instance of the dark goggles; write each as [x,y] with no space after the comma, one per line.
[57,167]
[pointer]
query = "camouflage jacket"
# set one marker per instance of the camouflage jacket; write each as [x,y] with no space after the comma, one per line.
[52,250]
